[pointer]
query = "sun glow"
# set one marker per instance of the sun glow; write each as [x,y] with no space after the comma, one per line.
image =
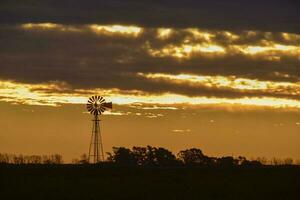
[99,29]
[119,29]
[40,94]
[228,82]
[273,47]
[40,26]
[186,50]
[199,34]
[164,33]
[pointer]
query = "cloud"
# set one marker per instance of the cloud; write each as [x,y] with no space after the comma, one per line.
[275,16]
[89,56]
[228,84]
[33,94]
[181,130]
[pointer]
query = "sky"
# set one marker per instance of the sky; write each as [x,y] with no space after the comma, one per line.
[222,76]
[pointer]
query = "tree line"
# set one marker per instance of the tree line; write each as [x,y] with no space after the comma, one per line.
[31,159]
[161,157]
[151,156]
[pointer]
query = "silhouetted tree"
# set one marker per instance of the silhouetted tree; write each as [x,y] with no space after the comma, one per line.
[4,158]
[251,163]
[122,156]
[227,161]
[150,156]
[288,161]
[140,155]
[36,159]
[84,159]
[241,159]
[57,159]
[193,157]
[276,161]
[18,159]
[52,159]
[165,157]
[262,160]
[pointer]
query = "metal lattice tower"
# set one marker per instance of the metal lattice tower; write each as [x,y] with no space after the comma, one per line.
[96,105]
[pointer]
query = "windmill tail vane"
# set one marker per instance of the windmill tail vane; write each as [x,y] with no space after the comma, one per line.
[108,105]
[96,105]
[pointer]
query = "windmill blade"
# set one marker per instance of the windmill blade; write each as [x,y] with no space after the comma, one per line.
[89,106]
[90,100]
[103,100]
[107,105]
[102,109]
[90,109]
[97,98]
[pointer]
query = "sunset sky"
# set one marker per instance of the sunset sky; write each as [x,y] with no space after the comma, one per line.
[223,76]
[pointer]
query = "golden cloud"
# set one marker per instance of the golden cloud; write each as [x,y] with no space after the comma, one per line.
[32,94]
[51,26]
[195,41]
[41,26]
[228,82]
[98,29]
[164,33]
[186,50]
[116,29]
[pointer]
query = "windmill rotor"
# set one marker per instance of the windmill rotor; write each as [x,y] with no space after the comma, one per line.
[96,105]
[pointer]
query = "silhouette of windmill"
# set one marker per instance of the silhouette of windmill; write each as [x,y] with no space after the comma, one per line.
[96,105]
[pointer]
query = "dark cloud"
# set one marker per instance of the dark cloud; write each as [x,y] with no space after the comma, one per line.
[268,15]
[88,60]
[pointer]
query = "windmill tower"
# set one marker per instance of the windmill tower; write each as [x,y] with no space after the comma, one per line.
[96,105]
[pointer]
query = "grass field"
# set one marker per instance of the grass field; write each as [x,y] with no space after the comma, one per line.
[111,182]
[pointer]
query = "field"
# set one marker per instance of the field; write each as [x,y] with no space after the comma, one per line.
[114,182]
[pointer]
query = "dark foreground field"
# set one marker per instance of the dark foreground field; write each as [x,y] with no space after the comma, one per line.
[111,182]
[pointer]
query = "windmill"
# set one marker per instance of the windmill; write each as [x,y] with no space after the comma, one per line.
[96,105]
